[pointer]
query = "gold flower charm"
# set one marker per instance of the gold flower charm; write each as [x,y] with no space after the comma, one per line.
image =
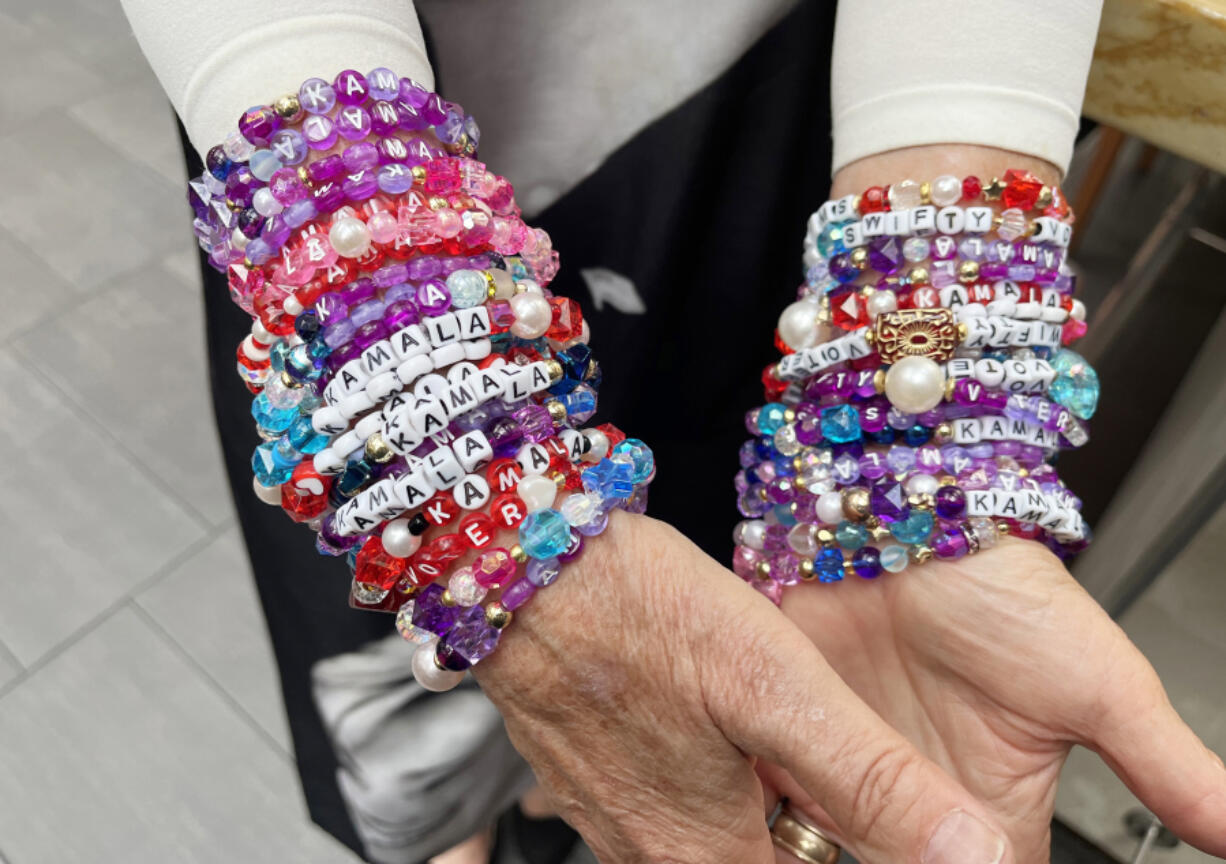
[931,333]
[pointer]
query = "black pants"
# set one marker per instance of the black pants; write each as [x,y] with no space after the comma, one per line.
[703,212]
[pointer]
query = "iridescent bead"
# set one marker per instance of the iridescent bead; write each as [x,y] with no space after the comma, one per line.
[1012,224]
[464,587]
[894,558]
[270,417]
[1076,385]
[642,460]
[841,423]
[580,509]
[544,534]
[409,630]
[950,544]
[916,249]
[786,440]
[851,535]
[830,240]
[985,532]
[468,288]
[258,124]
[770,417]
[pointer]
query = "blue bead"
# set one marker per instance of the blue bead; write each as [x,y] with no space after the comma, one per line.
[764,449]
[783,512]
[612,481]
[354,477]
[580,403]
[894,558]
[307,325]
[269,470]
[917,435]
[270,418]
[828,565]
[544,534]
[304,437]
[841,423]
[885,436]
[851,535]
[914,528]
[277,354]
[770,417]
[830,240]
[642,460]
[1076,385]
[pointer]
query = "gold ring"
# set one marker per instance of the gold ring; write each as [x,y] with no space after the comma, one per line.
[797,835]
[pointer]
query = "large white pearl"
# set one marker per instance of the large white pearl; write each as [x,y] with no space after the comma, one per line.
[398,540]
[798,325]
[915,385]
[754,535]
[880,302]
[427,673]
[921,484]
[600,445]
[537,491]
[532,315]
[830,508]
[349,237]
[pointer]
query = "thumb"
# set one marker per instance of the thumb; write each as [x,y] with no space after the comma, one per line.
[1140,735]
[887,801]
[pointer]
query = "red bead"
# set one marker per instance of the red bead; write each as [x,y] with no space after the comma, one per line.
[477,530]
[874,199]
[503,475]
[340,272]
[441,509]
[445,549]
[376,566]
[305,495]
[574,479]
[567,320]
[925,297]
[615,435]
[1058,208]
[422,568]
[1073,330]
[980,292]
[771,385]
[781,346]
[850,312]
[971,188]
[1021,189]
[372,260]
[521,355]
[508,510]
[559,456]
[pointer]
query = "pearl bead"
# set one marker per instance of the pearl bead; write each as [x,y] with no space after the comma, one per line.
[830,508]
[798,325]
[537,492]
[292,307]
[349,237]
[915,385]
[880,302]
[754,535]
[527,286]
[265,203]
[427,673]
[238,239]
[922,484]
[945,190]
[267,494]
[600,445]
[1078,312]
[532,315]
[398,540]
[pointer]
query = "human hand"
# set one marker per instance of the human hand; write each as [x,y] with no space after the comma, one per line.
[994,666]
[642,683]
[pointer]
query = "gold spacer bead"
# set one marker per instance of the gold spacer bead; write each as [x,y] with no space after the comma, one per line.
[880,532]
[446,599]
[968,271]
[879,380]
[914,501]
[994,189]
[377,448]
[459,146]
[288,107]
[517,553]
[558,478]
[823,315]
[799,483]
[806,570]
[289,382]
[419,173]
[872,522]
[870,336]
[557,411]
[438,202]
[848,570]
[919,276]
[1002,527]
[964,330]
[948,480]
[763,570]
[925,192]
[497,616]
[921,554]
[857,505]
[554,369]
[858,257]
[762,493]
[943,434]
[824,536]
[1044,199]
[303,174]
[489,282]
[789,415]
[949,389]
[855,203]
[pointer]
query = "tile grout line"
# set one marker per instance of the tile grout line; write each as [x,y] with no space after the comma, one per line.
[83,413]
[102,617]
[211,681]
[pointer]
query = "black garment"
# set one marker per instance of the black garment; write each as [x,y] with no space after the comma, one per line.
[704,212]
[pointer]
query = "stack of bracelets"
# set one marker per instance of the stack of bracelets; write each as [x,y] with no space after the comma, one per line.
[411,370]
[925,387]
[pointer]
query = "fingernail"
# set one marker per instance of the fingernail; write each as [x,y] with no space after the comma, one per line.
[964,839]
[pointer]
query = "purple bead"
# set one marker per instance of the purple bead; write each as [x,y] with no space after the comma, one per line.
[328,168]
[842,269]
[535,422]
[885,254]
[357,291]
[1030,456]
[433,298]
[371,310]
[317,96]
[412,93]
[423,268]
[361,155]
[319,131]
[780,491]
[258,251]
[259,124]
[217,163]
[873,414]
[1008,448]
[847,468]
[982,450]
[275,231]
[241,186]
[865,388]
[806,509]
[431,614]
[391,150]
[471,637]
[944,248]
[900,458]
[867,562]
[573,550]
[968,391]
[928,459]
[392,274]
[384,118]
[289,145]
[950,502]
[383,83]
[397,292]
[344,351]
[330,308]
[808,428]
[360,186]
[889,500]
[950,544]
[369,333]
[433,110]
[446,657]
[785,568]
[327,530]
[994,400]
[353,123]
[411,119]
[517,594]
[993,272]
[873,466]
[287,187]
[351,87]
[505,436]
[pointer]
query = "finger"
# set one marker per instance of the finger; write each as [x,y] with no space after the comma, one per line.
[1144,740]
[887,800]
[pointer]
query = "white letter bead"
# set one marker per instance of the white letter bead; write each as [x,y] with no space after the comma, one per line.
[382,501]
[328,420]
[487,385]
[474,323]
[445,355]
[442,330]
[966,430]
[332,393]
[412,488]
[350,378]
[573,442]
[399,433]
[961,367]
[347,443]
[473,450]
[412,368]
[427,417]
[459,399]
[383,385]
[979,502]
[461,372]
[442,468]
[515,383]
[1048,230]
[355,404]
[368,425]
[431,387]
[477,349]
[378,358]
[328,462]
[539,379]
[533,459]
[409,342]
[989,372]
[951,220]
[923,220]
[979,220]
[897,224]
[852,235]
[873,224]
[953,295]
[472,493]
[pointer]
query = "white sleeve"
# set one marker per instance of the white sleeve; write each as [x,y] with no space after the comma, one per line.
[217,58]
[1002,74]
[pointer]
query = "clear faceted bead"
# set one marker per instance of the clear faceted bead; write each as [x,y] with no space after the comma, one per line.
[465,589]
[905,195]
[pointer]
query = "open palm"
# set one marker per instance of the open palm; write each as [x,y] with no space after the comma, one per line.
[994,666]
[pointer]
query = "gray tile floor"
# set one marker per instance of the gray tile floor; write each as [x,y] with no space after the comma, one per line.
[139,710]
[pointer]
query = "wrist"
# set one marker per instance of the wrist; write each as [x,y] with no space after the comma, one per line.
[934,160]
